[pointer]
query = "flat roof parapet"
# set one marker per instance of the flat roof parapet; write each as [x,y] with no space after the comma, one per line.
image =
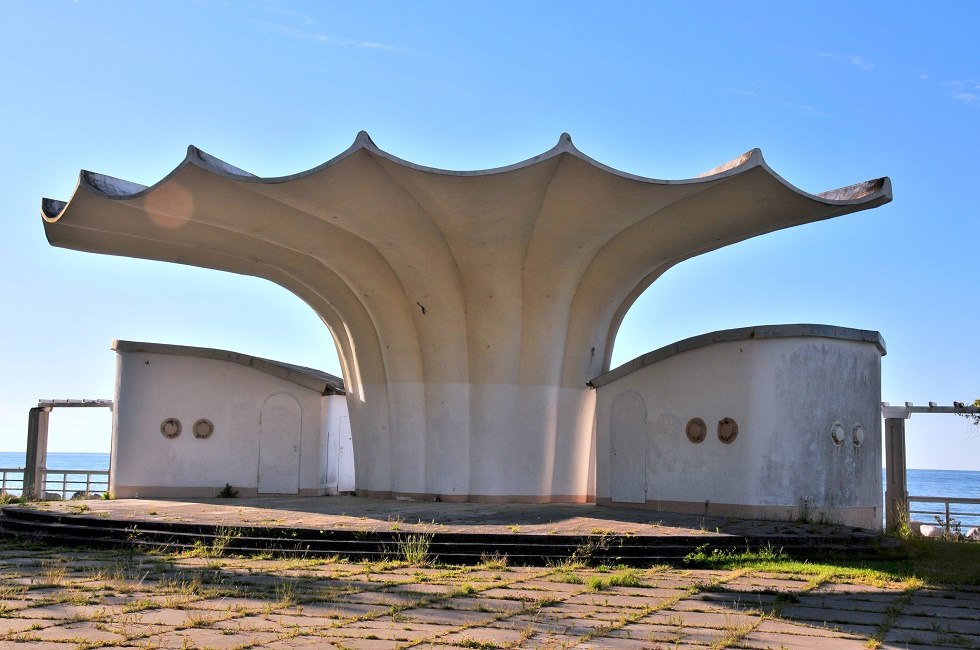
[311,378]
[95,403]
[740,334]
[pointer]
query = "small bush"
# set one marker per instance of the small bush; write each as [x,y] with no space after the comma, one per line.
[227,492]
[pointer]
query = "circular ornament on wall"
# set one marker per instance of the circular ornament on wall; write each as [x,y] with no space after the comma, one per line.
[203,428]
[170,428]
[727,430]
[857,435]
[696,430]
[837,434]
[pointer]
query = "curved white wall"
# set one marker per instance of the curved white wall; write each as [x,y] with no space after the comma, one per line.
[787,388]
[151,388]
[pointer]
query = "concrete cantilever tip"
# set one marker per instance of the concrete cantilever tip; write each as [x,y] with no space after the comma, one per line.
[363,139]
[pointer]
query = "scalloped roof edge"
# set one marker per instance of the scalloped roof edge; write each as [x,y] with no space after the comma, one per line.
[110,187]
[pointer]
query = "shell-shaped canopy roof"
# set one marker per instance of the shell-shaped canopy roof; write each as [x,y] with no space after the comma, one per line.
[866,194]
[527,260]
[469,308]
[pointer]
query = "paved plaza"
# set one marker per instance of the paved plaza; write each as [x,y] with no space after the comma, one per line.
[53,598]
[199,598]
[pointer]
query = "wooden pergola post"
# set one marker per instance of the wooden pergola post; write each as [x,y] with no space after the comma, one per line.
[896,483]
[37,452]
[896,486]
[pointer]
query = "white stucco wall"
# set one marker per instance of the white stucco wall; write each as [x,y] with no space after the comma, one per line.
[153,387]
[786,393]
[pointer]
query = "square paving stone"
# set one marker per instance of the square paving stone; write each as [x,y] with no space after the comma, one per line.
[938,624]
[422,589]
[610,599]
[516,594]
[64,612]
[548,640]
[582,610]
[249,623]
[961,595]
[77,631]
[618,643]
[289,643]
[836,587]
[495,635]
[932,639]
[18,625]
[779,626]
[954,609]
[8,606]
[839,613]
[386,598]
[480,603]
[195,638]
[178,617]
[647,632]
[43,645]
[554,586]
[531,623]
[334,611]
[651,593]
[367,644]
[768,640]
[226,604]
[134,631]
[722,603]
[454,617]
[835,601]
[756,583]
[706,620]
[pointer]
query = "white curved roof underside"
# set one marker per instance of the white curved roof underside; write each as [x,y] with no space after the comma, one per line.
[497,259]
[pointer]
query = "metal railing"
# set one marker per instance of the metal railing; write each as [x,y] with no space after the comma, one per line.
[950,517]
[73,483]
[57,483]
[11,477]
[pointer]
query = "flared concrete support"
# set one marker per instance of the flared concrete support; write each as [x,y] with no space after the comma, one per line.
[469,309]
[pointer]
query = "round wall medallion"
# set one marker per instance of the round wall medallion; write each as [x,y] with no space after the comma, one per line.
[837,434]
[696,430]
[170,428]
[727,430]
[857,434]
[203,428]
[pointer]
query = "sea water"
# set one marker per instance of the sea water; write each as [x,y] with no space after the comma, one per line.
[58,460]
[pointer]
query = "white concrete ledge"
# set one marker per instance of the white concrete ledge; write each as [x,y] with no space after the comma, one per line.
[311,378]
[740,334]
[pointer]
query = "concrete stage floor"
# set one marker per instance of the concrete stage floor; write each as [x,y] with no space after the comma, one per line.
[350,513]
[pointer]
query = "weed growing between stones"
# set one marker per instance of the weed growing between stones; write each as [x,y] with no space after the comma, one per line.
[414,548]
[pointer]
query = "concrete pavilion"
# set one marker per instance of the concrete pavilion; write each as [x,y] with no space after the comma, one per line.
[470,310]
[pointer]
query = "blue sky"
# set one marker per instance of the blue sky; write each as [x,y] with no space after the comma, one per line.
[833,93]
